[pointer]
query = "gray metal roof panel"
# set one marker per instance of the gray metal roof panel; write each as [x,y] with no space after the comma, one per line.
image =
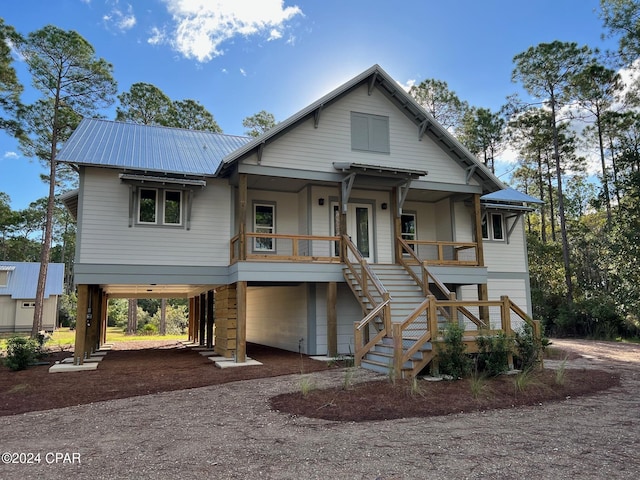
[22,282]
[510,195]
[149,148]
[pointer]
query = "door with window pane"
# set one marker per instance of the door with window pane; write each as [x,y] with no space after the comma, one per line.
[359,227]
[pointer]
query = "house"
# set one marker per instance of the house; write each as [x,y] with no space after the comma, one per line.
[18,283]
[357,221]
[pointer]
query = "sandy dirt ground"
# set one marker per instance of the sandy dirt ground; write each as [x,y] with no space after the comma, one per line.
[229,432]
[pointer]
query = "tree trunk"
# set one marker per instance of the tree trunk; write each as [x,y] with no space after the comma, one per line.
[543,220]
[605,178]
[163,317]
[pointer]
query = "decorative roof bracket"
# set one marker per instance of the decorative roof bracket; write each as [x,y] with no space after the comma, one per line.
[422,129]
[347,185]
[403,190]
[471,169]
[260,150]
[316,116]
[372,83]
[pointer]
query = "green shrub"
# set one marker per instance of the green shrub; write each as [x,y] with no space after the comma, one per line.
[149,329]
[529,350]
[452,359]
[22,352]
[493,356]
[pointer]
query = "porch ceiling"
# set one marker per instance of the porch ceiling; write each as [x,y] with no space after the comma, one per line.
[154,291]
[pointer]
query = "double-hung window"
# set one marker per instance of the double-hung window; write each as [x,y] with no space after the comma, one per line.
[158,206]
[264,222]
[493,226]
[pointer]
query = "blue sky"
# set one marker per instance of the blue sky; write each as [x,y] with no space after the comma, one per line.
[238,57]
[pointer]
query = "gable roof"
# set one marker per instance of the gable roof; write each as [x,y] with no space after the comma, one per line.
[22,280]
[107,143]
[376,77]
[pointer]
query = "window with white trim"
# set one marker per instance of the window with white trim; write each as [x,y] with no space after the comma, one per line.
[408,228]
[370,133]
[158,206]
[493,227]
[264,222]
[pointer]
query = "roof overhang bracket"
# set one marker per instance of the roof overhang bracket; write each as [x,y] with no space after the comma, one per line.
[471,169]
[422,129]
[316,116]
[403,190]
[372,83]
[347,185]
[515,218]
[259,153]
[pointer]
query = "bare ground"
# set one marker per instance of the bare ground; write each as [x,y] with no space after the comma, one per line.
[230,431]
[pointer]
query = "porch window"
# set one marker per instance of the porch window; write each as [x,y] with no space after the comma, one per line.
[493,226]
[370,133]
[264,222]
[173,207]
[408,228]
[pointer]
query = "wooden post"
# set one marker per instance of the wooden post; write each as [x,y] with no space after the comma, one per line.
[397,350]
[506,324]
[342,224]
[432,321]
[210,302]
[483,291]
[105,319]
[203,318]
[357,344]
[92,329]
[241,333]
[332,319]
[242,216]
[397,225]
[81,324]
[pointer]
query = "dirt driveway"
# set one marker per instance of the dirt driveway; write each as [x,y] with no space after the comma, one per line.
[228,432]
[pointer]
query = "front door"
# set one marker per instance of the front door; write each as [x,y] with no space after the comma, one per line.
[359,227]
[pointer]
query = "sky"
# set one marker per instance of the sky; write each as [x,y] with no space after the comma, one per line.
[238,57]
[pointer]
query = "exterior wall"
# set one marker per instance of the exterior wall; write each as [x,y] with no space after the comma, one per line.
[348,312]
[507,257]
[309,148]
[106,237]
[16,318]
[7,313]
[276,316]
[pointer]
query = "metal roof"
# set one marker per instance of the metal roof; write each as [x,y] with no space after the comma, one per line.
[22,282]
[510,195]
[148,148]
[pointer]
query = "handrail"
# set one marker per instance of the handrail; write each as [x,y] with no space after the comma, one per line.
[293,253]
[371,315]
[426,275]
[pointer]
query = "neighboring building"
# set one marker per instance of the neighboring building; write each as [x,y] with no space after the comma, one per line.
[18,284]
[302,231]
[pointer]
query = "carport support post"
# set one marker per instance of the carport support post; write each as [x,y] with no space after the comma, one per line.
[241,326]
[210,319]
[191,319]
[105,319]
[81,324]
[203,318]
[332,320]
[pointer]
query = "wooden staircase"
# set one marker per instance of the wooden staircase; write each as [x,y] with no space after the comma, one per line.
[406,296]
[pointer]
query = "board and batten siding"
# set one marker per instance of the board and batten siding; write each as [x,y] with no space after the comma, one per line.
[308,148]
[276,316]
[108,239]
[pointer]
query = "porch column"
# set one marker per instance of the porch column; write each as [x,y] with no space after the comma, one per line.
[241,326]
[94,325]
[203,318]
[210,302]
[332,319]
[242,216]
[483,291]
[196,318]
[397,227]
[81,324]
[342,222]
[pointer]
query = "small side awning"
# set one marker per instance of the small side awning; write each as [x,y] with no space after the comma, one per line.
[510,195]
[70,200]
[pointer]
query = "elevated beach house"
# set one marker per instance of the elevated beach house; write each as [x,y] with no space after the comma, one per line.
[357,226]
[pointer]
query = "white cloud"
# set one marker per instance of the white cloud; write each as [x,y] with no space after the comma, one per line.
[11,155]
[157,36]
[118,19]
[243,72]
[202,26]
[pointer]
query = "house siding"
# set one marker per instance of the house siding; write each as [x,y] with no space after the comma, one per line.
[283,323]
[108,239]
[310,148]
[348,312]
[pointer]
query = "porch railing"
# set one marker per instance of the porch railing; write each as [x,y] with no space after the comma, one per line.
[445,253]
[279,247]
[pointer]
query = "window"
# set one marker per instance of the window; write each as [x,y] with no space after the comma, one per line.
[264,222]
[369,133]
[28,304]
[493,226]
[158,206]
[408,228]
